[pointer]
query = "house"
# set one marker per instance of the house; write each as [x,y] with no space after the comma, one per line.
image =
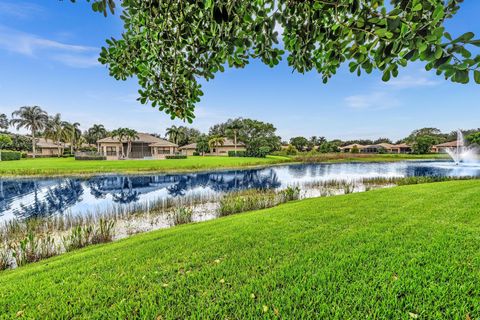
[221,150]
[145,146]
[350,147]
[443,147]
[401,148]
[189,149]
[48,148]
[379,148]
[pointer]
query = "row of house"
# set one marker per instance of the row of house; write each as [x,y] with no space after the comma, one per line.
[396,148]
[378,148]
[147,146]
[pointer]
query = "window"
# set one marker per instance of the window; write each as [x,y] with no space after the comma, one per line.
[163,150]
[111,151]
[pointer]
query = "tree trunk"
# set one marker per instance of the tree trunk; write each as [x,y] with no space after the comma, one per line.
[235,141]
[34,144]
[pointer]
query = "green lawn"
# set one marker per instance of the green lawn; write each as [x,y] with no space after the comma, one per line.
[401,253]
[69,166]
[65,166]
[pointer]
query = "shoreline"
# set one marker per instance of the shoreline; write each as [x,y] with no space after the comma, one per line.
[285,161]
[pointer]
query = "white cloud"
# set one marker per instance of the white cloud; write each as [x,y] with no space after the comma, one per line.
[406,82]
[77,61]
[373,101]
[21,10]
[34,46]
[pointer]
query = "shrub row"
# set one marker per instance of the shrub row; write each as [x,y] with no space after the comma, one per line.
[240,154]
[90,157]
[176,156]
[7,155]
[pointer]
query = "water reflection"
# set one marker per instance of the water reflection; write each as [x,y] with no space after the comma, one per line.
[25,198]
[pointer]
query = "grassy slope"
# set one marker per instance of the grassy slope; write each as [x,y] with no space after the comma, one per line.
[381,254]
[59,166]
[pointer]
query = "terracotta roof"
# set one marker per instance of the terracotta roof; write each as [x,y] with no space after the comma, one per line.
[451,144]
[226,143]
[350,146]
[230,143]
[163,143]
[44,143]
[188,146]
[142,137]
[402,145]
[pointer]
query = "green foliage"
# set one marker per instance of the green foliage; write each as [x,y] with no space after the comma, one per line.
[170,46]
[31,118]
[354,149]
[7,155]
[181,215]
[291,150]
[300,143]
[5,141]
[176,156]
[89,156]
[103,6]
[21,143]
[381,150]
[474,138]
[4,123]
[328,147]
[423,144]
[237,154]
[95,133]
[202,144]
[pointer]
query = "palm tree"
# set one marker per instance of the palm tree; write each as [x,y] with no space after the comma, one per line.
[3,121]
[174,133]
[73,133]
[130,136]
[120,134]
[96,132]
[215,141]
[55,130]
[232,130]
[30,118]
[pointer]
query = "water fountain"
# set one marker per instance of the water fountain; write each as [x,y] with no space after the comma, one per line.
[462,153]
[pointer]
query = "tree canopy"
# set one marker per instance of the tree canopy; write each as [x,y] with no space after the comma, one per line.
[170,45]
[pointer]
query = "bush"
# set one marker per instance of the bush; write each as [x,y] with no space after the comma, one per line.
[176,156]
[89,157]
[7,155]
[237,154]
[196,154]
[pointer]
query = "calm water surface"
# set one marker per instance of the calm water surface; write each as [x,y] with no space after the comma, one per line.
[23,198]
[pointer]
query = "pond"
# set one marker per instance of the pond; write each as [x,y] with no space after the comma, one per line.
[39,197]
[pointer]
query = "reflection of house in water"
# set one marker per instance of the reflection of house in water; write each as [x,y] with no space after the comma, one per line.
[126,189]
[31,198]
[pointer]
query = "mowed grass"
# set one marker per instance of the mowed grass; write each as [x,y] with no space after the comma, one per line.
[68,166]
[403,253]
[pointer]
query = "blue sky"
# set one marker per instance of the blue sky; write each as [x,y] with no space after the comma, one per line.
[49,48]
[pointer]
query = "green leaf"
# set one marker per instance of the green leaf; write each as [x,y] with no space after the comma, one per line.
[417,7]
[476,76]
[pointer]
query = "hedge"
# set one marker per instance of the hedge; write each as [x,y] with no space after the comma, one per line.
[7,155]
[177,156]
[237,154]
[90,157]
